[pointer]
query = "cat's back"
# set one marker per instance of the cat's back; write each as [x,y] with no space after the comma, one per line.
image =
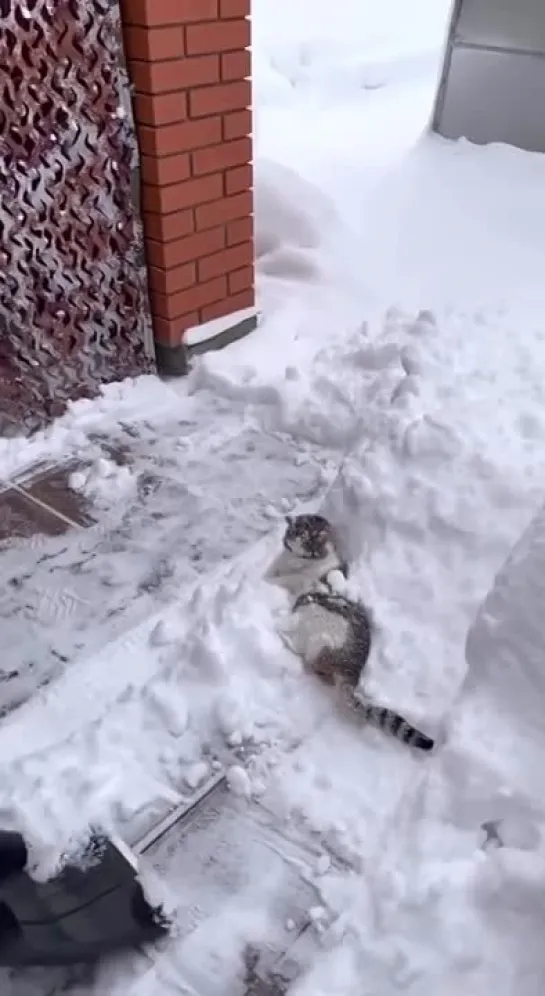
[334,634]
[319,620]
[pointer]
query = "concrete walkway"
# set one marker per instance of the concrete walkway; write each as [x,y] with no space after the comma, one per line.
[170,500]
[95,543]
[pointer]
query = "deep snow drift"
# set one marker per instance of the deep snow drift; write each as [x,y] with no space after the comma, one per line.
[402,338]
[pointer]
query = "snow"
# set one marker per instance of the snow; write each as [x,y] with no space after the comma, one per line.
[398,372]
[104,481]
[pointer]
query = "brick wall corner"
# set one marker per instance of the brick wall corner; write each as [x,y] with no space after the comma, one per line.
[189,63]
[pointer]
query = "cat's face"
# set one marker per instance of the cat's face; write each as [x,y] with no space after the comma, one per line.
[308,536]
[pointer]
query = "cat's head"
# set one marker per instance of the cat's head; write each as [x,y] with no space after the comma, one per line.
[310,537]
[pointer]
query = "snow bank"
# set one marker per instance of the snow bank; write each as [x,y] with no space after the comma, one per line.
[436,434]
[311,291]
[133,398]
[104,482]
[501,708]
[155,714]
[307,48]
[290,211]
[297,232]
[430,424]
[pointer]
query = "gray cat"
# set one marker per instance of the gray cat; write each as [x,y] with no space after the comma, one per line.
[331,633]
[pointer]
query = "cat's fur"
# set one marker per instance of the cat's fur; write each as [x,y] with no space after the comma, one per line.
[311,552]
[331,633]
[310,537]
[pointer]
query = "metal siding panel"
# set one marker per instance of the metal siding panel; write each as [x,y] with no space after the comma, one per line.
[495,97]
[513,24]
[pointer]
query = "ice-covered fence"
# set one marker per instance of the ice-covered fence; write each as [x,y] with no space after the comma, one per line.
[73,296]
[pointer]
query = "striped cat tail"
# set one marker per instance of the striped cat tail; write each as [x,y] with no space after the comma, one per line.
[394,724]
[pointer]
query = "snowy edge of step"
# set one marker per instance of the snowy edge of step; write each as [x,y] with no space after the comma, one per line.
[133,851]
[163,827]
[98,680]
[295,851]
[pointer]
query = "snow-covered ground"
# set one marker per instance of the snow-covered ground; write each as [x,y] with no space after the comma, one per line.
[402,342]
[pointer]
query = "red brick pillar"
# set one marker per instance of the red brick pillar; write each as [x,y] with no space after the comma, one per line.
[190,66]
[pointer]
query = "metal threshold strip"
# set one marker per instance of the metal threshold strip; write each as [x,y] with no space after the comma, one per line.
[193,837]
[132,852]
[459,42]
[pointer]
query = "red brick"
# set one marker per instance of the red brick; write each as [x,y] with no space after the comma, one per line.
[217,36]
[220,157]
[169,255]
[150,44]
[200,296]
[235,8]
[225,261]
[174,74]
[219,99]
[162,228]
[164,170]
[238,179]
[237,124]
[175,197]
[236,65]
[180,137]
[241,280]
[171,281]
[224,210]
[239,231]
[168,108]
[154,13]
[228,306]
[170,332]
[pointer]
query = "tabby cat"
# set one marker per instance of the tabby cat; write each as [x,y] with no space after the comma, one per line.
[330,632]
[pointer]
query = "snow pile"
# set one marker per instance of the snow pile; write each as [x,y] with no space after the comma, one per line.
[306,49]
[310,291]
[435,434]
[430,479]
[104,482]
[401,336]
[131,399]
[154,713]
[292,219]
[505,683]
[289,211]
[307,269]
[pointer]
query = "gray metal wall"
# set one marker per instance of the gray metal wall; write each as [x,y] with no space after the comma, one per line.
[492,86]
